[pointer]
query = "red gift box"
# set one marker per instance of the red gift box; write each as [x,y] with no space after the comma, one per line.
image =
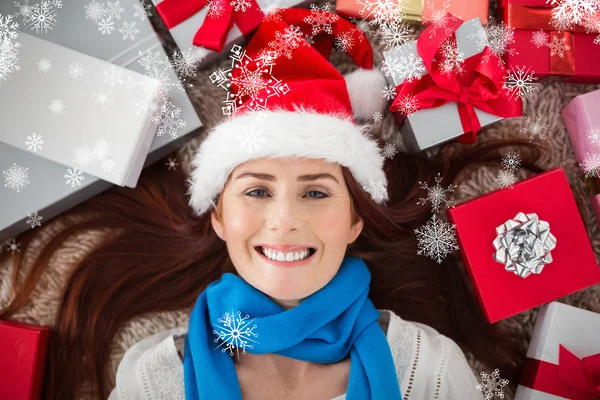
[579,64]
[502,293]
[22,360]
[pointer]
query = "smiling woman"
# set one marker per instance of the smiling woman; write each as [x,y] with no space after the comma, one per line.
[363,317]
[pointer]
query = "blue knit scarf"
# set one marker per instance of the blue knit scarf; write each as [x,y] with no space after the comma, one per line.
[231,315]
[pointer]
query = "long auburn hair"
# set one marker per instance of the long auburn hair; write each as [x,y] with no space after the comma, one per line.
[162,256]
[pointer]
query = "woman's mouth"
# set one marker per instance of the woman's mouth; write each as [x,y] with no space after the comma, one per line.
[287,264]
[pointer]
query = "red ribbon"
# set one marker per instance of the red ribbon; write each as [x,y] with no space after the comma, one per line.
[572,378]
[480,86]
[214,30]
[536,17]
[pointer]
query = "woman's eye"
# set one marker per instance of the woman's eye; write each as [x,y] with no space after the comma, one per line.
[262,190]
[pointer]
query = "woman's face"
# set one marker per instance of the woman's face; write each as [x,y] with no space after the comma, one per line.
[285,210]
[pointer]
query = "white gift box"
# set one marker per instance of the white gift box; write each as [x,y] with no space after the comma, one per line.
[431,127]
[558,324]
[83,121]
[184,32]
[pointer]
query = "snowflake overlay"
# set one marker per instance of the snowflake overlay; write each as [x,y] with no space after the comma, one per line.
[377,116]
[73,177]
[380,11]
[235,332]
[172,163]
[506,179]
[539,38]
[439,18]
[395,33]
[408,104]
[403,67]
[436,195]
[558,47]
[169,120]
[16,177]
[511,161]
[13,246]
[34,142]
[452,59]
[344,41]
[535,128]
[389,92]
[593,135]
[9,48]
[575,11]
[249,138]
[34,220]
[75,70]
[187,62]
[56,107]
[321,19]
[142,11]
[591,165]
[129,30]
[253,86]
[41,16]
[376,189]
[389,150]
[491,384]
[291,38]
[498,37]
[44,65]
[519,83]
[436,239]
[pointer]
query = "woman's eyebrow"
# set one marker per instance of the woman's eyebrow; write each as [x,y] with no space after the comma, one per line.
[301,178]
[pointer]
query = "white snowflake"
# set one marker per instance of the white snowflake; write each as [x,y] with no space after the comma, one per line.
[112,77]
[187,63]
[560,24]
[395,33]
[558,47]
[56,107]
[101,98]
[250,138]
[491,385]
[592,25]
[16,177]
[376,189]
[363,26]
[84,156]
[73,177]
[380,11]
[436,195]
[34,142]
[404,67]
[142,11]
[452,60]
[575,11]
[408,104]
[34,220]
[344,41]
[13,246]
[591,165]
[235,332]
[107,165]
[511,161]
[535,128]
[101,149]
[519,83]
[9,61]
[506,179]
[240,5]
[95,11]
[436,239]
[439,17]
[270,8]
[539,38]
[114,9]
[389,150]
[216,8]
[41,16]
[169,120]
[75,70]
[389,92]
[593,136]
[172,163]
[44,65]
[106,26]
[321,19]
[377,116]
[8,28]
[291,38]
[498,37]
[252,84]
[129,30]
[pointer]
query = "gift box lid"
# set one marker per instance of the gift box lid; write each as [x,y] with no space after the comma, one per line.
[582,121]
[23,348]
[502,293]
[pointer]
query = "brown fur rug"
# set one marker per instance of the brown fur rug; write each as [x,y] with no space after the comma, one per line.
[552,95]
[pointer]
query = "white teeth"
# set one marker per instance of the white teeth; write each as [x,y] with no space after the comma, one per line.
[280,256]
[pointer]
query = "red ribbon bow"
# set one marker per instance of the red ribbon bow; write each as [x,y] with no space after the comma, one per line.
[215,28]
[480,86]
[573,378]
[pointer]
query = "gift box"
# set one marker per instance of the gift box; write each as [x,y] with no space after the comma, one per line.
[582,121]
[532,34]
[563,358]
[23,349]
[525,246]
[417,10]
[48,194]
[434,106]
[227,25]
[82,121]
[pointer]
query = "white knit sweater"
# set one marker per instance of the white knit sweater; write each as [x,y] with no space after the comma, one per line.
[429,365]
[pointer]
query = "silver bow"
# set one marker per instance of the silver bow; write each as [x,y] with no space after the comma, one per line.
[523,244]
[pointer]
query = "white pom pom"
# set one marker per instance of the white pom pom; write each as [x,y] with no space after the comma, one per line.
[365,89]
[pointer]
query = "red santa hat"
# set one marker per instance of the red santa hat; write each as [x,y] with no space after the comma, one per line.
[285,99]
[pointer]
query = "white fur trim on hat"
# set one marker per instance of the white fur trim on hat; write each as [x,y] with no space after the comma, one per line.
[301,133]
[365,90]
